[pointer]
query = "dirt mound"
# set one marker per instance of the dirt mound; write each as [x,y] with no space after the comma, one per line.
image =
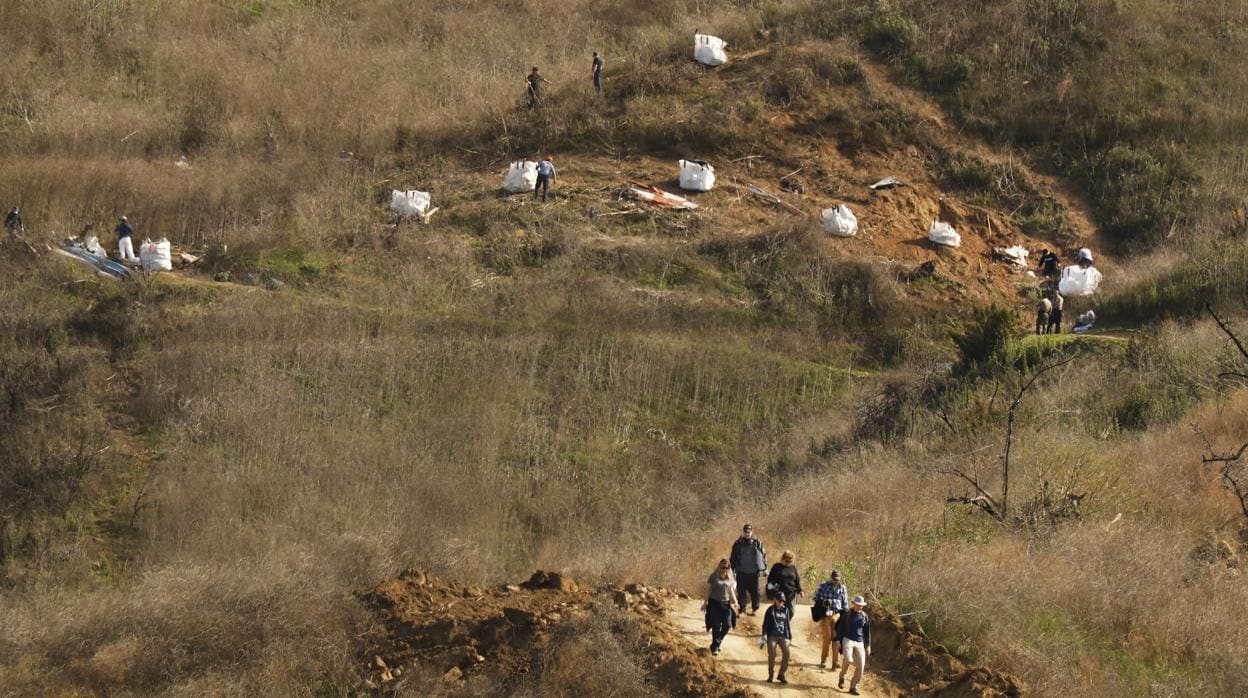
[924,668]
[435,636]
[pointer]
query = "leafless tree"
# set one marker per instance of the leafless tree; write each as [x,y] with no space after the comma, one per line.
[1234,474]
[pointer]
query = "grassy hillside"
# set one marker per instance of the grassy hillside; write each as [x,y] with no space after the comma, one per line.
[198,475]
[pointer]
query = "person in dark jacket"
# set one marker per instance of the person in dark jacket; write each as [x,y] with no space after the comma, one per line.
[853,641]
[1048,263]
[831,600]
[777,632]
[721,604]
[535,82]
[785,577]
[749,560]
[597,74]
[125,246]
[13,221]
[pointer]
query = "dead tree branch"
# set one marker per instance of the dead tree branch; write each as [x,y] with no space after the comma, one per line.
[1011,416]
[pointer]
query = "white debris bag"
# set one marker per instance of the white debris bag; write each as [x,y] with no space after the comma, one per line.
[696,175]
[942,233]
[839,221]
[92,245]
[709,50]
[1016,254]
[521,177]
[156,256]
[1079,281]
[409,203]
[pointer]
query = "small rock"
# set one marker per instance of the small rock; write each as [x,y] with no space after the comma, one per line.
[636,589]
[398,671]
[221,276]
[510,588]
[623,599]
[455,674]
[415,577]
[379,662]
[476,658]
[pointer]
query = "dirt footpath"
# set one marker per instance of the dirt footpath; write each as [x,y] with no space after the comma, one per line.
[741,656]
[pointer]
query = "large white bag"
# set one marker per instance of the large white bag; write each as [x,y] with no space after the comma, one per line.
[839,221]
[156,256]
[696,175]
[521,177]
[409,203]
[1078,281]
[92,245]
[709,50]
[942,233]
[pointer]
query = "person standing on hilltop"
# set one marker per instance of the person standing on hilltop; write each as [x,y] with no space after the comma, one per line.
[777,632]
[749,560]
[535,81]
[545,173]
[853,641]
[597,74]
[125,246]
[785,578]
[831,600]
[721,604]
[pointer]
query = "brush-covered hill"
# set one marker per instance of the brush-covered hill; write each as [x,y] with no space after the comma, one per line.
[205,472]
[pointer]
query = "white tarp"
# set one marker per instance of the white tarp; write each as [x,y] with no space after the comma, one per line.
[156,256]
[696,175]
[839,221]
[942,233]
[92,245]
[1016,254]
[1079,281]
[409,203]
[521,177]
[709,50]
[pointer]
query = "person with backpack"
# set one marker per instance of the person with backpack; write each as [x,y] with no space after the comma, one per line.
[777,633]
[748,559]
[831,600]
[721,604]
[853,641]
[545,173]
[784,577]
[597,74]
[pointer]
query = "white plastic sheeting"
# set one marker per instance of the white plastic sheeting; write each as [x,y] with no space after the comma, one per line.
[409,203]
[1016,254]
[92,245]
[1079,281]
[942,233]
[709,50]
[156,256]
[521,177]
[696,175]
[839,221]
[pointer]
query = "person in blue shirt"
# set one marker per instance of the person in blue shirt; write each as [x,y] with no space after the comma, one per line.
[125,246]
[777,632]
[545,173]
[853,640]
[831,600]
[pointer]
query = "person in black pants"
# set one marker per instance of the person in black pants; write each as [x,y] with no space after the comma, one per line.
[597,74]
[777,633]
[784,577]
[749,560]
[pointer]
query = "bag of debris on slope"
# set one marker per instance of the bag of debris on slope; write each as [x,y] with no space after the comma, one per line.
[1016,255]
[1079,281]
[521,177]
[696,175]
[156,256]
[92,244]
[942,233]
[709,50]
[409,203]
[839,221]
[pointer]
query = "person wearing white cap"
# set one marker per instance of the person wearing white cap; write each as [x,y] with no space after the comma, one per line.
[125,247]
[1085,258]
[853,641]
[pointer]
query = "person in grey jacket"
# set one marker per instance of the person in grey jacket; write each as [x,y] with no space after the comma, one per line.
[749,560]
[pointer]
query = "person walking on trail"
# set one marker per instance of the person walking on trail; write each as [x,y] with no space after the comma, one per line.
[597,74]
[125,246]
[831,600]
[721,604]
[535,81]
[1043,309]
[13,221]
[545,173]
[749,560]
[777,633]
[785,578]
[853,642]
[1055,316]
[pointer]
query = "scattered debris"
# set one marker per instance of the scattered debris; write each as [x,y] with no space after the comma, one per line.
[888,183]
[1016,255]
[411,203]
[773,199]
[657,197]
[792,185]
[943,234]
[74,249]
